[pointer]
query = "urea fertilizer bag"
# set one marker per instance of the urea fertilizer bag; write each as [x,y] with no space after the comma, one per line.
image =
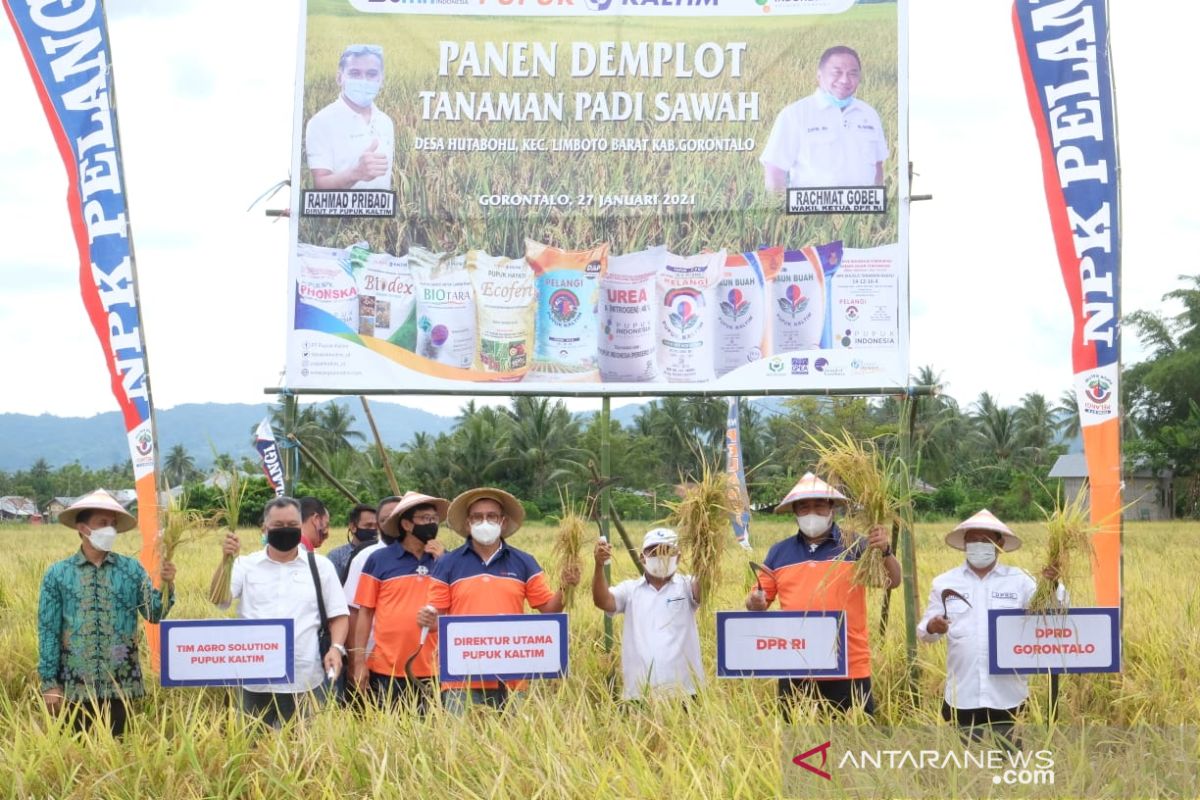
[325,282]
[386,298]
[799,297]
[445,308]
[687,289]
[504,310]
[742,329]
[568,293]
[627,316]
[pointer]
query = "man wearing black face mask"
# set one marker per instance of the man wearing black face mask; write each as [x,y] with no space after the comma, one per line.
[277,583]
[363,532]
[394,584]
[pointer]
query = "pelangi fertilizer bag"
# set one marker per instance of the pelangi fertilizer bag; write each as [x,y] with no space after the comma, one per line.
[504,311]
[799,296]
[568,294]
[325,283]
[445,308]
[386,297]
[687,289]
[627,316]
[742,328]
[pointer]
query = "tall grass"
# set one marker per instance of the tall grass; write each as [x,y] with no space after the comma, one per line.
[571,738]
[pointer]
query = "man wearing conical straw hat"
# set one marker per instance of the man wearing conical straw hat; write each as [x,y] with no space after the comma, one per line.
[958,611]
[814,571]
[88,612]
[487,576]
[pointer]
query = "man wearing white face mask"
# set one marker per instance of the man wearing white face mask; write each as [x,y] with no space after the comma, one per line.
[486,576]
[958,611]
[660,644]
[88,613]
[350,142]
[814,571]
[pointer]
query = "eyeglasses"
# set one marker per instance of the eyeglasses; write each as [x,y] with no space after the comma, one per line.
[425,519]
[475,519]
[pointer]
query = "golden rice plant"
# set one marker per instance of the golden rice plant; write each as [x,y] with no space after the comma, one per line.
[701,518]
[568,542]
[232,494]
[180,526]
[876,485]
[1068,527]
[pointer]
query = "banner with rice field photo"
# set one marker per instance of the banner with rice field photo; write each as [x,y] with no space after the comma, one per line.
[600,197]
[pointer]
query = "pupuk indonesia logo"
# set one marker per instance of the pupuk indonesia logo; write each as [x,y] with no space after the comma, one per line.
[1098,389]
[145,443]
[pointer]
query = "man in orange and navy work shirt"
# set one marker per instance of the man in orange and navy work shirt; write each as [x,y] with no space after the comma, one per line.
[814,571]
[391,590]
[486,576]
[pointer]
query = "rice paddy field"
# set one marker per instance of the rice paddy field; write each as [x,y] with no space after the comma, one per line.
[571,738]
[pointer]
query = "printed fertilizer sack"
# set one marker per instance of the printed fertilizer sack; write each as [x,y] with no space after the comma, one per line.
[742,328]
[325,284]
[445,308]
[627,316]
[504,309]
[386,298]
[799,297]
[687,289]
[568,293]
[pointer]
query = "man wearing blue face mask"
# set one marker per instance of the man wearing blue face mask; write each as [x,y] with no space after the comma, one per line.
[830,138]
[350,142]
[88,612]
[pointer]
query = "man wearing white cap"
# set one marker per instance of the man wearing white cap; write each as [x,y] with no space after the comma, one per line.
[88,612]
[814,571]
[486,576]
[958,611]
[660,644]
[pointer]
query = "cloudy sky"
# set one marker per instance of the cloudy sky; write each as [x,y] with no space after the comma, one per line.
[205,100]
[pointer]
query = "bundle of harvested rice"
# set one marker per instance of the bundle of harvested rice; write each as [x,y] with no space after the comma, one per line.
[701,518]
[1068,527]
[876,485]
[180,525]
[232,494]
[568,542]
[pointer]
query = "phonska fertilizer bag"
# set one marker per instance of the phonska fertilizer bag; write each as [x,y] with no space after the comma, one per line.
[687,289]
[386,298]
[445,308]
[742,328]
[505,303]
[799,298]
[628,319]
[325,283]
[568,293]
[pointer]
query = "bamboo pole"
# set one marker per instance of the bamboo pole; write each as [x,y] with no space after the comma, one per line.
[908,550]
[321,469]
[603,498]
[383,456]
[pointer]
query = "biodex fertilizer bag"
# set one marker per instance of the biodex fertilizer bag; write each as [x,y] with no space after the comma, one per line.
[799,293]
[568,293]
[742,329]
[445,308]
[386,298]
[686,321]
[325,283]
[504,311]
[627,316]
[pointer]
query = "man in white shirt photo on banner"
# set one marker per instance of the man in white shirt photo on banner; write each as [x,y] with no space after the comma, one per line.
[660,643]
[959,601]
[350,143]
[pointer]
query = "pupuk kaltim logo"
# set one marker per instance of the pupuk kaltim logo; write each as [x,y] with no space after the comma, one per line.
[802,760]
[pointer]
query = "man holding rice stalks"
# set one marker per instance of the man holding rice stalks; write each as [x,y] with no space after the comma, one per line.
[88,612]
[487,576]
[959,600]
[282,581]
[660,643]
[393,588]
[815,571]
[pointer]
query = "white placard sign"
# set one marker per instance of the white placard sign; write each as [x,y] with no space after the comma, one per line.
[223,652]
[755,644]
[508,647]
[1080,640]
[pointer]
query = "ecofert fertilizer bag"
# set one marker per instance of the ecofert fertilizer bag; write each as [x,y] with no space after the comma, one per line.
[504,310]
[627,316]
[445,308]
[799,296]
[568,294]
[742,329]
[686,321]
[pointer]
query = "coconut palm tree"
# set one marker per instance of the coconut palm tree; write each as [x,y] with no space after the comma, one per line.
[179,467]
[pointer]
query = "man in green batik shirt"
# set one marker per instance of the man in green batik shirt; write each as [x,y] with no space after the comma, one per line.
[88,618]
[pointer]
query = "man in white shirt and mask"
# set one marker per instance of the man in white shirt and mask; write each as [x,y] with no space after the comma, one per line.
[350,142]
[958,612]
[660,643]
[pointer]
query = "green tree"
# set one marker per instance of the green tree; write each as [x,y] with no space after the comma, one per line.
[179,467]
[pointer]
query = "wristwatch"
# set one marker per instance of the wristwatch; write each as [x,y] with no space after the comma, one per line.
[888,552]
[341,648]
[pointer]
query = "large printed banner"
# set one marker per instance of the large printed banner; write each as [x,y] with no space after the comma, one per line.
[66,49]
[1063,47]
[600,197]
